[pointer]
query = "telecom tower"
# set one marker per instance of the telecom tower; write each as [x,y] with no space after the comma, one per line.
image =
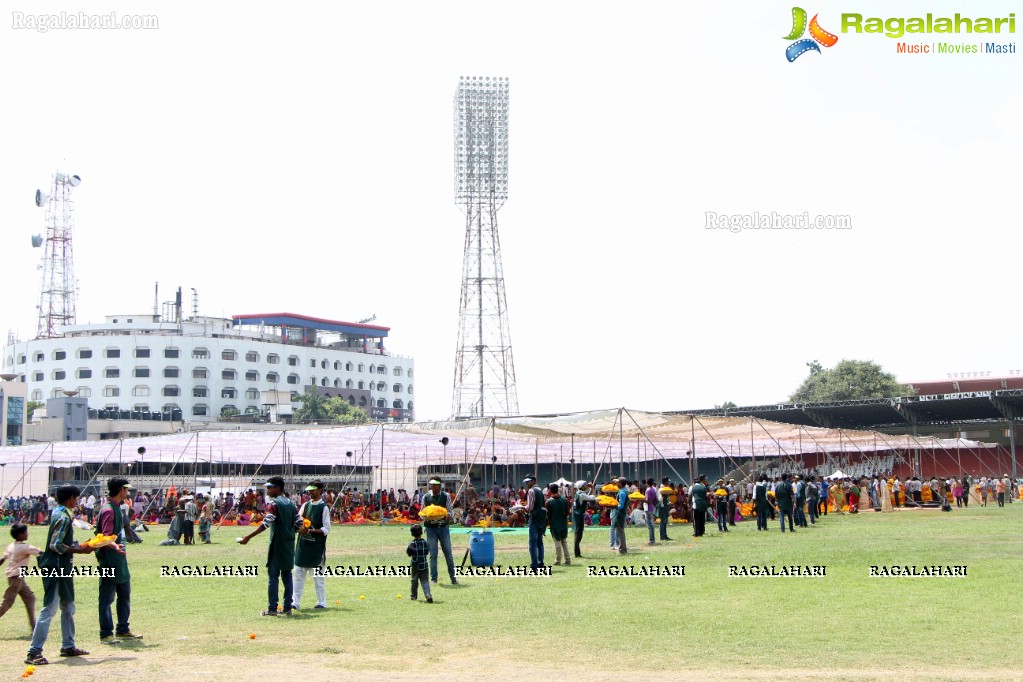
[484,372]
[59,291]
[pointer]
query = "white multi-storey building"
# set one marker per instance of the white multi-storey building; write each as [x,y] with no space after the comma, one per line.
[196,369]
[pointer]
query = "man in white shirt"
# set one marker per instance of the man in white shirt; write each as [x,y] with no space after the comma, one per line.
[90,505]
[311,548]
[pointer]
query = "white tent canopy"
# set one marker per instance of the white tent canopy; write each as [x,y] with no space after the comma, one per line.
[615,435]
[837,475]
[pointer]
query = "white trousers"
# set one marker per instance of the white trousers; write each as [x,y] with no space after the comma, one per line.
[319,584]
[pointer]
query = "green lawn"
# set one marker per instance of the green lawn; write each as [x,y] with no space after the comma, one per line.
[571,626]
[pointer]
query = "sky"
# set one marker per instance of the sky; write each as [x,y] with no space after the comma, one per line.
[299,158]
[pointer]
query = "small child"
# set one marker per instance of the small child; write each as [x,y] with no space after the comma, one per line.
[419,551]
[19,552]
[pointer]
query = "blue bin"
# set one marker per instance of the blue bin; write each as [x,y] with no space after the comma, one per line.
[481,548]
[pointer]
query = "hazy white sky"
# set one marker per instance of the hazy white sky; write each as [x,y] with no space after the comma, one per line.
[299,158]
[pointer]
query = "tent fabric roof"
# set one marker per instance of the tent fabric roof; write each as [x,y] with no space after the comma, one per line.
[617,435]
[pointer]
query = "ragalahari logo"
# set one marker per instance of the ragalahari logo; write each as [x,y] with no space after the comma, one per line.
[817,35]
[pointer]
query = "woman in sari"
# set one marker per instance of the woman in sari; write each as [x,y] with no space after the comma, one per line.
[854,498]
[886,499]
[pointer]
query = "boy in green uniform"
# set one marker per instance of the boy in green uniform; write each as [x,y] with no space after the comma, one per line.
[557,517]
[311,545]
[115,562]
[59,585]
[281,518]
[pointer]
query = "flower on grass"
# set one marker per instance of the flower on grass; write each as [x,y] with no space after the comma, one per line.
[252,635]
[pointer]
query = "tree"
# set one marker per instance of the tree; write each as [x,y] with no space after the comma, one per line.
[317,408]
[31,407]
[228,412]
[848,380]
[728,405]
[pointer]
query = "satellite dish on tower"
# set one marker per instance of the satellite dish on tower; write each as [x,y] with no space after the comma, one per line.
[41,198]
[37,241]
[74,180]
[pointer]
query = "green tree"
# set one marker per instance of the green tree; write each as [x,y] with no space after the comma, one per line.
[728,405]
[848,380]
[312,406]
[31,407]
[228,412]
[340,411]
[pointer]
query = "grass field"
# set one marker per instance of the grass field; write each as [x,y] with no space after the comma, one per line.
[845,625]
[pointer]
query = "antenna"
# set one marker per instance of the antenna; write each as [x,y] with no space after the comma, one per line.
[195,304]
[58,294]
[156,300]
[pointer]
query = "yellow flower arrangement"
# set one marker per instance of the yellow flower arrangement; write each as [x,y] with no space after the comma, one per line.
[307,523]
[637,496]
[99,540]
[607,501]
[770,493]
[433,511]
[665,490]
[610,488]
[720,492]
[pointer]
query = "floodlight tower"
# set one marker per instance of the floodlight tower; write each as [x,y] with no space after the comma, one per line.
[59,291]
[484,372]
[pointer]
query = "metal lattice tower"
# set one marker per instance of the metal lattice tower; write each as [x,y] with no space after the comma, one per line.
[58,294]
[484,372]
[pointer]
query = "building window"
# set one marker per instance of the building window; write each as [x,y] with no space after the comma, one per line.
[396,388]
[337,366]
[200,373]
[171,391]
[111,373]
[171,353]
[229,393]
[273,359]
[200,392]
[348,366]
[362,368]
[372,369]
[252,356]
[57,393]
[362,385]
[312,362]
[397,404]
[410,388]
[381,403]
[362,401]
[381,369]
[59,355]
[142,352]
[273,377]
[251,409]
[140,407]
[200,354]
[141,372]
[199,410]
[252,375]
[21,359]
[409,372]
[396,371]
[39,357]
[58,374]
[337,383]
[381,386]
[85,374]
[170,407]
[228,355]
[323,364]
[112,352]
[111,391]
[349,383]
[84,353]
[410,406]
[293,379]
[252,394]
[37,395]
[323,381]
[293,360]
[229,375]
[171,372]
[231,409]
[38,376]
[140,391]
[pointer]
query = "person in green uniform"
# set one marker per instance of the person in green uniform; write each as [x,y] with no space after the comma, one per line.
[664,509]
[282,519]
[114,562]
[761,502]
[618,516]
[311,545]
[59,585]
[557,518]
[437,531]
[784,495]
[537,522]
[700,503]
[579,504]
